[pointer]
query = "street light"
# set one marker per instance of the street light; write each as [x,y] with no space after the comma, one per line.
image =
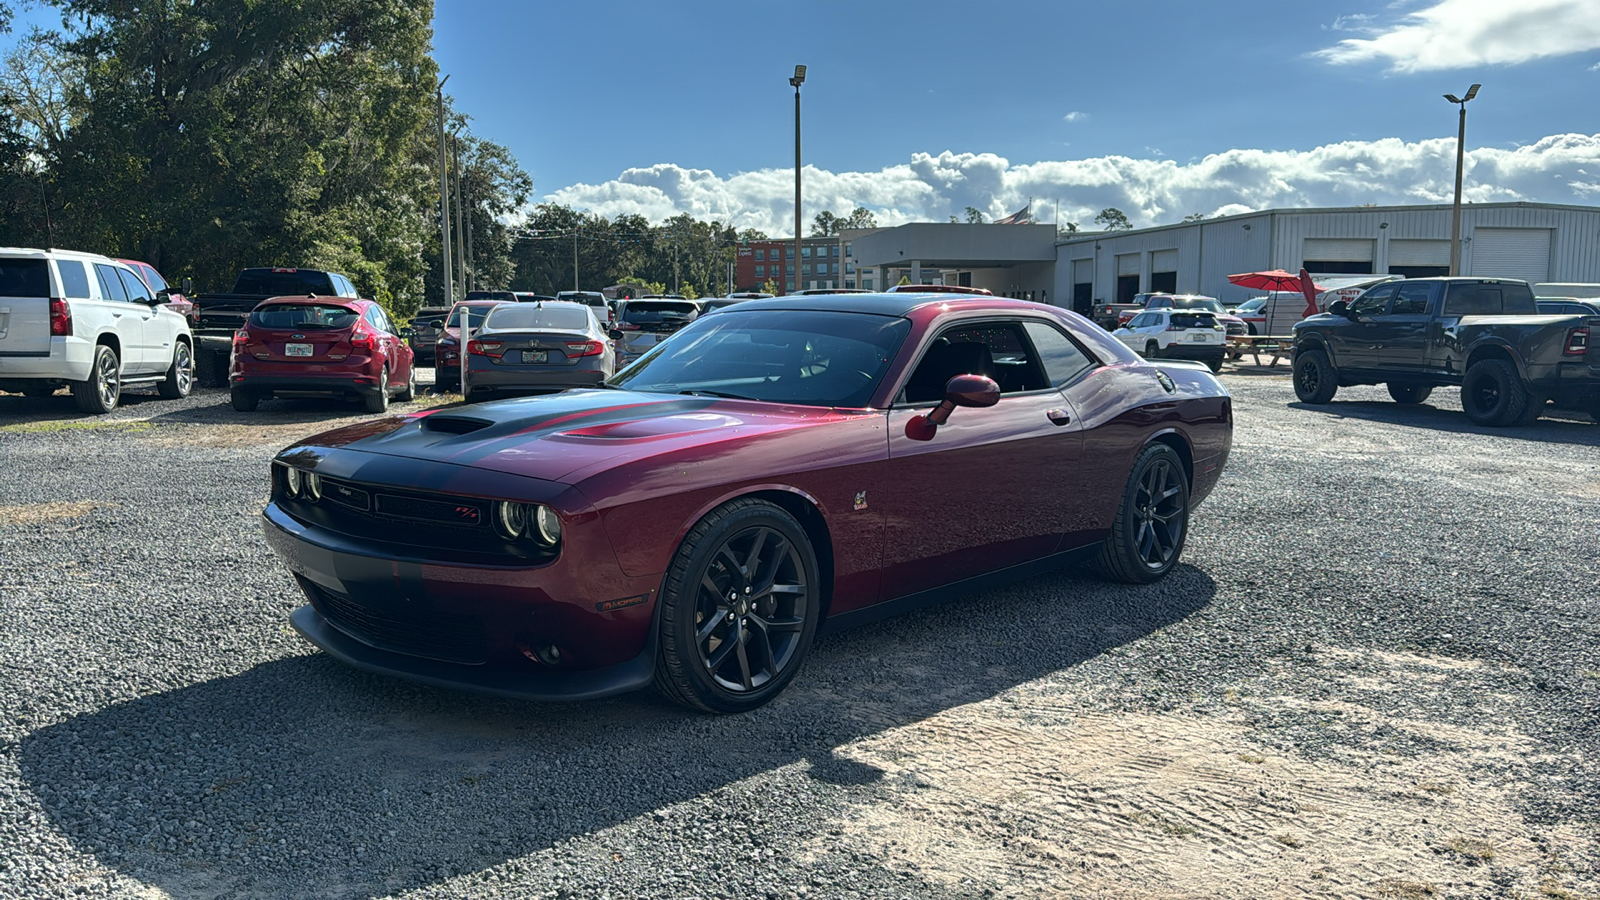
[1461,141]
[448,279]
[798,79]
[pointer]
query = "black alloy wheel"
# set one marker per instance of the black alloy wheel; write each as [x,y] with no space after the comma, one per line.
[1492,394]
[1152,523]
[1315,380]
[739,608]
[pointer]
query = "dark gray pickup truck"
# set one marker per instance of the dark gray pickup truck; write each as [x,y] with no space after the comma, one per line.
[1485,335]
[218,316]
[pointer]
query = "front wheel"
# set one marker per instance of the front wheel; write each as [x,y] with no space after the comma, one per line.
[739,608]
[1493,394]
[1409,393]
[1315,380]
[1152,522]
[180,375]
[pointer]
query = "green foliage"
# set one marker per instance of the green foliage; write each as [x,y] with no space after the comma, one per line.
[770,287]
[860,217]
[825,224]
[975,216]
[1113,219]
[1194,217]
[904,279]
[1066,228]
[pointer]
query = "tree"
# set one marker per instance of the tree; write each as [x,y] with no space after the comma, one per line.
[1113,219]
[974,216]
[44,88]
[825,224]
[1066,228]
[859,218]
[1194,217]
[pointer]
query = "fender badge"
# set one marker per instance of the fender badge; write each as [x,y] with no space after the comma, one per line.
[861,500]
[625,602]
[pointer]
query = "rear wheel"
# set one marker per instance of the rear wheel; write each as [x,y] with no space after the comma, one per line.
[245,400]
[1151,350]
[1151,524]
[1215,364]
[211,368]
[1315,380]
[378,402]
[180,375]
[1492,394]
[739,608]
[1409,393]
[100,393]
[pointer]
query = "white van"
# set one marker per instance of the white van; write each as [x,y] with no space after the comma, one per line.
[88,322]
[1575,291]
[1277,317]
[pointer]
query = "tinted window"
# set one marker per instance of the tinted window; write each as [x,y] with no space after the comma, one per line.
[74,278]
[814,358]
[1472,299]
[474,315]
[110,285]
[284,283]
[541,318]
[994,349]
[1412,300]
[1062,359]
[1193,320]
[306,316]
[137,292]
[1205,303]
[491,295]
[643,312]
[1373,302]
[586,297]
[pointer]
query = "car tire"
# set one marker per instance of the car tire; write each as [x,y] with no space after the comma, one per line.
[1214,364]
[1252,327]
[1152,522]
[210,369]
[378,401]
[1409,393]
[245,400]
[101,391]
[180,375]
[732,652]
[1315,379]
[409,392]
[1152,350]
[1492,394]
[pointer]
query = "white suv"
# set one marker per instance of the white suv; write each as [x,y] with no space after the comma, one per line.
[1178,334]
[89,322]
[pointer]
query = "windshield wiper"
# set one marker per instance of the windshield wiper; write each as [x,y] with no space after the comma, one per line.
[722,394]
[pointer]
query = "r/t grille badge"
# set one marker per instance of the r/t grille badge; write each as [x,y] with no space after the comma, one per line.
[861,500]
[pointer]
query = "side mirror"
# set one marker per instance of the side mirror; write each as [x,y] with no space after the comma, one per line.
[963,390]
[1339,307]
[614,333]
[188,285]
[164,295]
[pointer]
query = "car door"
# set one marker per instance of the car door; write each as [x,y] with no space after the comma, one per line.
[387,343]
[155,342]
[1400,333]
[1354,337]
[126,318]
[982,494]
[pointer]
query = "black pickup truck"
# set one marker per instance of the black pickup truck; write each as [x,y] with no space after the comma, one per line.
[218,316]
[1485,335]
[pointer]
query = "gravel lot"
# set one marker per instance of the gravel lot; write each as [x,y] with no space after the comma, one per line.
[1377,675]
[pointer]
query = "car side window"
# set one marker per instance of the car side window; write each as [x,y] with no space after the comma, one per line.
[1372,303]
[1063,359]
[74,279]
[995,349]
[1412,300]
[137,292]
[110,285]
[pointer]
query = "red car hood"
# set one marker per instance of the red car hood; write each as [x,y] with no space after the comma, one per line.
[574,434]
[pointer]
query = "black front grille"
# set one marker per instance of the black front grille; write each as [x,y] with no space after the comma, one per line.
[454,639]
[460,513]
[1236,328]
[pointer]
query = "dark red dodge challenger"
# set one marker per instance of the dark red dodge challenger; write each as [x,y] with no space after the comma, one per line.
[780,466]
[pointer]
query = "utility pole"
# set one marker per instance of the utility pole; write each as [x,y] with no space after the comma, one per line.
[1455,212]
[798,79]
[447,283]
[471,270]
[575,257]
[675,259]
[455,146]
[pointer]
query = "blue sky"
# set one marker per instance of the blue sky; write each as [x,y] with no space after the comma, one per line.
[917,110]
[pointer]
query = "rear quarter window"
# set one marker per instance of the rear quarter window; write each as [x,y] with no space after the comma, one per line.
[74,279]
[1491,299]
[26,278]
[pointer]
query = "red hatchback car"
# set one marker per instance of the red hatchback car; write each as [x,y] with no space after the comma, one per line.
[304,346]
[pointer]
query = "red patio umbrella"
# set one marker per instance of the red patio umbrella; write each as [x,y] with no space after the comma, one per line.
[1279,280]
[1310,290]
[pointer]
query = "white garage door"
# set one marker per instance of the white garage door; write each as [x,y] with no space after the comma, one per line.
[1128,264]
[1419,253]
[1338,250]
[1511,253]
[1164,261]
[1082,271]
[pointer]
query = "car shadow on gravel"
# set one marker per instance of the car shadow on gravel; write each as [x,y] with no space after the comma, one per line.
[302,777]
[1557,427]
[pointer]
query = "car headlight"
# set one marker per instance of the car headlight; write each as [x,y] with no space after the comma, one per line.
[291,481]
[313,486]
[510,519]
[549,525]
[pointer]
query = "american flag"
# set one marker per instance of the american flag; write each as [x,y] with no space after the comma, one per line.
[1023,216]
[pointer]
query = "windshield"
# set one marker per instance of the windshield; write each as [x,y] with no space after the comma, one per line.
[1205,303]
[641,312]
[284,284]
[815,358]
[475,316]
[585,297]
[304,316]
[540,318]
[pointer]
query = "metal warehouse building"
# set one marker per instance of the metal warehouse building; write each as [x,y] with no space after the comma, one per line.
[1532,241]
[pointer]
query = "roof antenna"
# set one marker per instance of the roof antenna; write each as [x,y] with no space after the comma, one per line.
[49,232]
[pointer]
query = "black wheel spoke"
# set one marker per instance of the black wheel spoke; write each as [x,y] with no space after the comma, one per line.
[708,626]
[744,659]
[752,605]
[752,561]
[720,655]
[760,637]
[778,626]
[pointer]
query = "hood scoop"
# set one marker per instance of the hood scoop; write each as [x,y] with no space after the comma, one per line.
[447,424]
[646,429]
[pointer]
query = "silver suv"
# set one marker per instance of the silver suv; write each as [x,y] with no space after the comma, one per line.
[88,322]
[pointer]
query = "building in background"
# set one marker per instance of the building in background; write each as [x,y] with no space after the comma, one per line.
[759,262]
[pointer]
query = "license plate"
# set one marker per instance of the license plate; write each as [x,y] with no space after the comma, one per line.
[296,349]
[535,356]
[1197,337]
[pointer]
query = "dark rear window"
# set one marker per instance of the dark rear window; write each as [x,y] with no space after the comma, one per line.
[74,279]
[639,312]
[540,318]
[1489,299]
[1197,303]
[25,278]
[307,316]
[284,284]
[1193,320]
[492,295]
[583,297]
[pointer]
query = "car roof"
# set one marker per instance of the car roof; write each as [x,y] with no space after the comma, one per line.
[476,303]
[36,253]
[559,304]
[939,289]
[899,305]
[306,299]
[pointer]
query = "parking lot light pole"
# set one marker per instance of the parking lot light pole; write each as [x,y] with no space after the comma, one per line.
[1461,141]
[448,281]
[798,79]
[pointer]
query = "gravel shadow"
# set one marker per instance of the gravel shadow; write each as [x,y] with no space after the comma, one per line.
[1569,429]
[301,777]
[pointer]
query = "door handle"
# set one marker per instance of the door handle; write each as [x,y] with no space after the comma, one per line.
[1059,416]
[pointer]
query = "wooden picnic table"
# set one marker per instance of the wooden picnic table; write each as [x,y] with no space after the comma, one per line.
[1279,346]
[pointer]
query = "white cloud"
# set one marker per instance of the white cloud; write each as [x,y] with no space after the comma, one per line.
[1151,191]
[1360,22]
[1461,34]
[1075,116]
